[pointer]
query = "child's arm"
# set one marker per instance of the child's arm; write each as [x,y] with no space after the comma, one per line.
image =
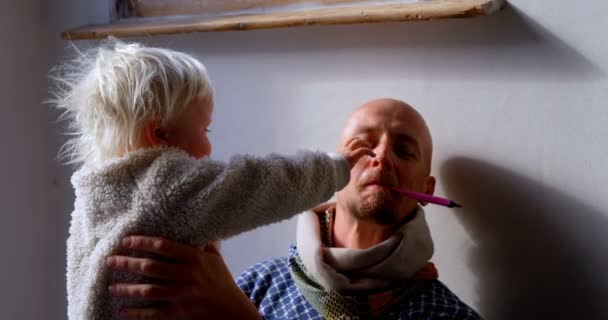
[214,200]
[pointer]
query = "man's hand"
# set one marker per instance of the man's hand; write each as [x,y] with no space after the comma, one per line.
[355,149]
[193,283]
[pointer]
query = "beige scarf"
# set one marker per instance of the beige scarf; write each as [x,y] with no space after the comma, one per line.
[397,258]
[359,283]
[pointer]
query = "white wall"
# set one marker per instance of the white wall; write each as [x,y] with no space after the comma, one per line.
[515,102]
[35,198]
[24,284]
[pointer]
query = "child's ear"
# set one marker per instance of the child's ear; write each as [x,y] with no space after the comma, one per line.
[155,134]
[430,188]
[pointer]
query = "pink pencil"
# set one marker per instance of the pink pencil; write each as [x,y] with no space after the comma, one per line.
[428,198]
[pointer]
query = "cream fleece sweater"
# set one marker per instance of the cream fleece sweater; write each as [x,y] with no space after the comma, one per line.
[164,192]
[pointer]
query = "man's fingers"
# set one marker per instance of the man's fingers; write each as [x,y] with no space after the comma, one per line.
[144,313]
[163,247]
[142,291]
[146,267]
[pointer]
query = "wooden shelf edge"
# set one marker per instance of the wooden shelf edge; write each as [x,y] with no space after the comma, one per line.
[420,11]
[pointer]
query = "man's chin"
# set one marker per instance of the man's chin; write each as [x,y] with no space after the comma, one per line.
[376,197]
[379,208]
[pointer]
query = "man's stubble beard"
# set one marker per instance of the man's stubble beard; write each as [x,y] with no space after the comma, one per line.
[377,207]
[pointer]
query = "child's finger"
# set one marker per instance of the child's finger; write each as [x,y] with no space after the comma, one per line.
[364,152]
[369,152]
[356,143]
[353,143]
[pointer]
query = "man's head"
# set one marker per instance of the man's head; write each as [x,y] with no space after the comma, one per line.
[402,142]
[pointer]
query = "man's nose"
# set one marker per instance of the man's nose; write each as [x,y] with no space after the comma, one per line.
[382,158]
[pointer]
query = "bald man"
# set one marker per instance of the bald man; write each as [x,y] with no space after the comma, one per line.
[366,256]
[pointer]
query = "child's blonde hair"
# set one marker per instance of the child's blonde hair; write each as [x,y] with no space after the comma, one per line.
[108,94]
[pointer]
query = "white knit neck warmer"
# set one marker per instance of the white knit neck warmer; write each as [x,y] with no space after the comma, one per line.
[395,259]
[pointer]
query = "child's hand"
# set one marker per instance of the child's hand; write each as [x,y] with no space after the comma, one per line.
[356,148]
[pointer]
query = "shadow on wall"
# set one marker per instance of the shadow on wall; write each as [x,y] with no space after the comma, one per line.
[506,45]
[540,253]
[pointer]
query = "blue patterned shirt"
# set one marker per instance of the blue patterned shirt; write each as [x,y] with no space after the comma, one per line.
[270,287]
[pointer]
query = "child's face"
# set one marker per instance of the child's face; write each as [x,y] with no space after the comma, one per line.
[189,131]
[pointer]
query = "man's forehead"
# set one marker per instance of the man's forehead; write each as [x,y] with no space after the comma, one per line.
[399,122]
[395,117]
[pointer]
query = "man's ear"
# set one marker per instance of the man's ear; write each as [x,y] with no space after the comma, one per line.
[154,133]
[429,188]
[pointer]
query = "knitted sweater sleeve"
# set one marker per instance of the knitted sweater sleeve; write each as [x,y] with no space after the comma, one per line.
[166,193]
[214,200]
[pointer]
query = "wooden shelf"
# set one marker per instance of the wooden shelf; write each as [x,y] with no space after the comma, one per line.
[371,13]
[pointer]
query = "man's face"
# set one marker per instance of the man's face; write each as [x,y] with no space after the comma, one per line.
[402,143]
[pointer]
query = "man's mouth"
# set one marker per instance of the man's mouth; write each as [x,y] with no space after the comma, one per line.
[377,183]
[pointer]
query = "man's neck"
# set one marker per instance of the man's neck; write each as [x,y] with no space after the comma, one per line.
[349,232]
